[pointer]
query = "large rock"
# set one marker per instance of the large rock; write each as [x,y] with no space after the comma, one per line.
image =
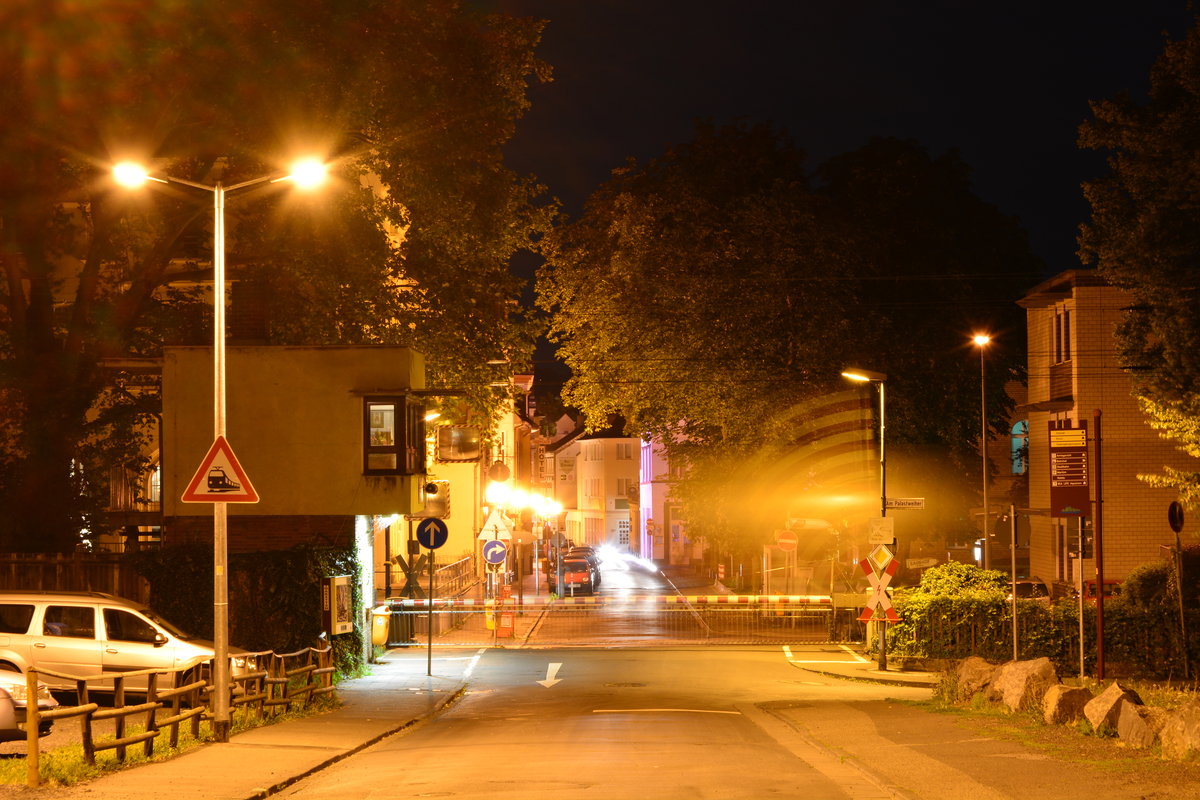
[1180,735]
[973,675]
[1063,705]
[1139,726]
[1023,684]
[1104,710]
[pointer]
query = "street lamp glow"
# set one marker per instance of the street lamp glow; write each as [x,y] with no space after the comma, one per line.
[981,339]
[131,175]
[308,173]
[863,375]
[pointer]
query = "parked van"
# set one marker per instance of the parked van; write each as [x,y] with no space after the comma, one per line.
[86,633]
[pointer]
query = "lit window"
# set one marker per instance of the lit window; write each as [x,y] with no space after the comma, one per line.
[393,436]
[1020,447]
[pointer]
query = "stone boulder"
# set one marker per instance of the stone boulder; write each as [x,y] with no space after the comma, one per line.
[1063,705]
[1105,708]
[1139,726]
[973,675]
[1023,684]
[1180,735]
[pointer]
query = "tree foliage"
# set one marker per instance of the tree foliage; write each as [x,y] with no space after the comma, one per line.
[707,293]
[411,101]
[1143,237]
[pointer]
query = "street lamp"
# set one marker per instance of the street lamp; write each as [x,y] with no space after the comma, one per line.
[305,174]
[981,341]
[868,376]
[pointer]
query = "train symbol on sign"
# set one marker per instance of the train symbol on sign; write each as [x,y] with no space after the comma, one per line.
[218,481]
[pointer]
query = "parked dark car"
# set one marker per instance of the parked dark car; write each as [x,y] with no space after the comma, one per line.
[579,577]
[589,555]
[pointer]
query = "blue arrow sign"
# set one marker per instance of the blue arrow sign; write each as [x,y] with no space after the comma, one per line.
[495,551]
[432,532]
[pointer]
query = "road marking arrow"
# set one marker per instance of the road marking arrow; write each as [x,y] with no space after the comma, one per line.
[551,671]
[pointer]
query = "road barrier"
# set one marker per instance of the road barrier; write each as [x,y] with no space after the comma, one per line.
[626,621]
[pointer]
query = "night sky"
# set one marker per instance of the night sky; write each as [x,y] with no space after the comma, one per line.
[1006,84]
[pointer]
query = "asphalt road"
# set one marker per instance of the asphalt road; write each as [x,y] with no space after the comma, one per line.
[720,723]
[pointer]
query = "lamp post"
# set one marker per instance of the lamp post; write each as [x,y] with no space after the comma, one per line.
[981,341]
[879,378]
[305,174]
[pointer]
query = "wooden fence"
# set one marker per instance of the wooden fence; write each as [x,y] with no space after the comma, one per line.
[87,572]
[280,683]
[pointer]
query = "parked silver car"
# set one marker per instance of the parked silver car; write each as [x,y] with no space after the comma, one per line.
[82,634]
[14,702]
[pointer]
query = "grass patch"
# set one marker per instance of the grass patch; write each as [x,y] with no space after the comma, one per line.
[66,765]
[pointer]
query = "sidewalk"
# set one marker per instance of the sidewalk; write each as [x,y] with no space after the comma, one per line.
[258,762]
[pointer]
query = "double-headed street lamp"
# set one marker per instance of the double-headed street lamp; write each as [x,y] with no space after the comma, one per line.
[304,174]
[981,341]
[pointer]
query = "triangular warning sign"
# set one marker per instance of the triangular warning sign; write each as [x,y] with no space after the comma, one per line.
[496,527]
[220,478]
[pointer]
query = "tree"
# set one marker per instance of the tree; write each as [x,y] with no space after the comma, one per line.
[710,293]
[413,101]
[1143,237]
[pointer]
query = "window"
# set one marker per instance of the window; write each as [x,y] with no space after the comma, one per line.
[1020,447]
[624,451]
[1062,335]
[623,530]
[121,626]
[15,617]
[75,621]
[624,487]
[393,436]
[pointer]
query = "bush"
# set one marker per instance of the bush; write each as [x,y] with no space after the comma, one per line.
[274,596]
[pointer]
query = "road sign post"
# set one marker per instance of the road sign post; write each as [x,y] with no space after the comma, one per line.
[432,533]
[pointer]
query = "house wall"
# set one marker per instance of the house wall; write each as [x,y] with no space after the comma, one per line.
[604,466]
[1134,514]
[295,423]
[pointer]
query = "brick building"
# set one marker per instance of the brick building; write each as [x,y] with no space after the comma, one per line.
[1074,373]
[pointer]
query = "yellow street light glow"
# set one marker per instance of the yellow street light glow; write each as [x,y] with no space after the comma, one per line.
[981,339]
[131,175]
[308,173]
[497,494]
[863,375]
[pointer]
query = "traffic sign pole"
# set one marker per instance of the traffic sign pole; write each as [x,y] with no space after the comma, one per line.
[429,652]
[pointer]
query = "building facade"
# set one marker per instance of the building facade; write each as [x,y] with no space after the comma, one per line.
[1075,381]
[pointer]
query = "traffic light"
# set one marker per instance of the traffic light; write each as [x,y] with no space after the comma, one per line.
[437,499]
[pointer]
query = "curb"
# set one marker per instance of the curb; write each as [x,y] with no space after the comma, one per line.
[873,678]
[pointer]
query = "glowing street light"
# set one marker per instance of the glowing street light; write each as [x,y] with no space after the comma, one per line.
[305,174]
[981,340]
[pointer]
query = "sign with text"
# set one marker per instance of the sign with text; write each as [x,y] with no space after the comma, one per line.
[881,530]
[1069,471]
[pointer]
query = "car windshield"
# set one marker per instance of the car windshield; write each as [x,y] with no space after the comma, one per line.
[575,566]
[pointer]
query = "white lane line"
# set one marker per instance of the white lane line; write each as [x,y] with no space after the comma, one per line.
[474,661]
[655,710]
[787,652]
